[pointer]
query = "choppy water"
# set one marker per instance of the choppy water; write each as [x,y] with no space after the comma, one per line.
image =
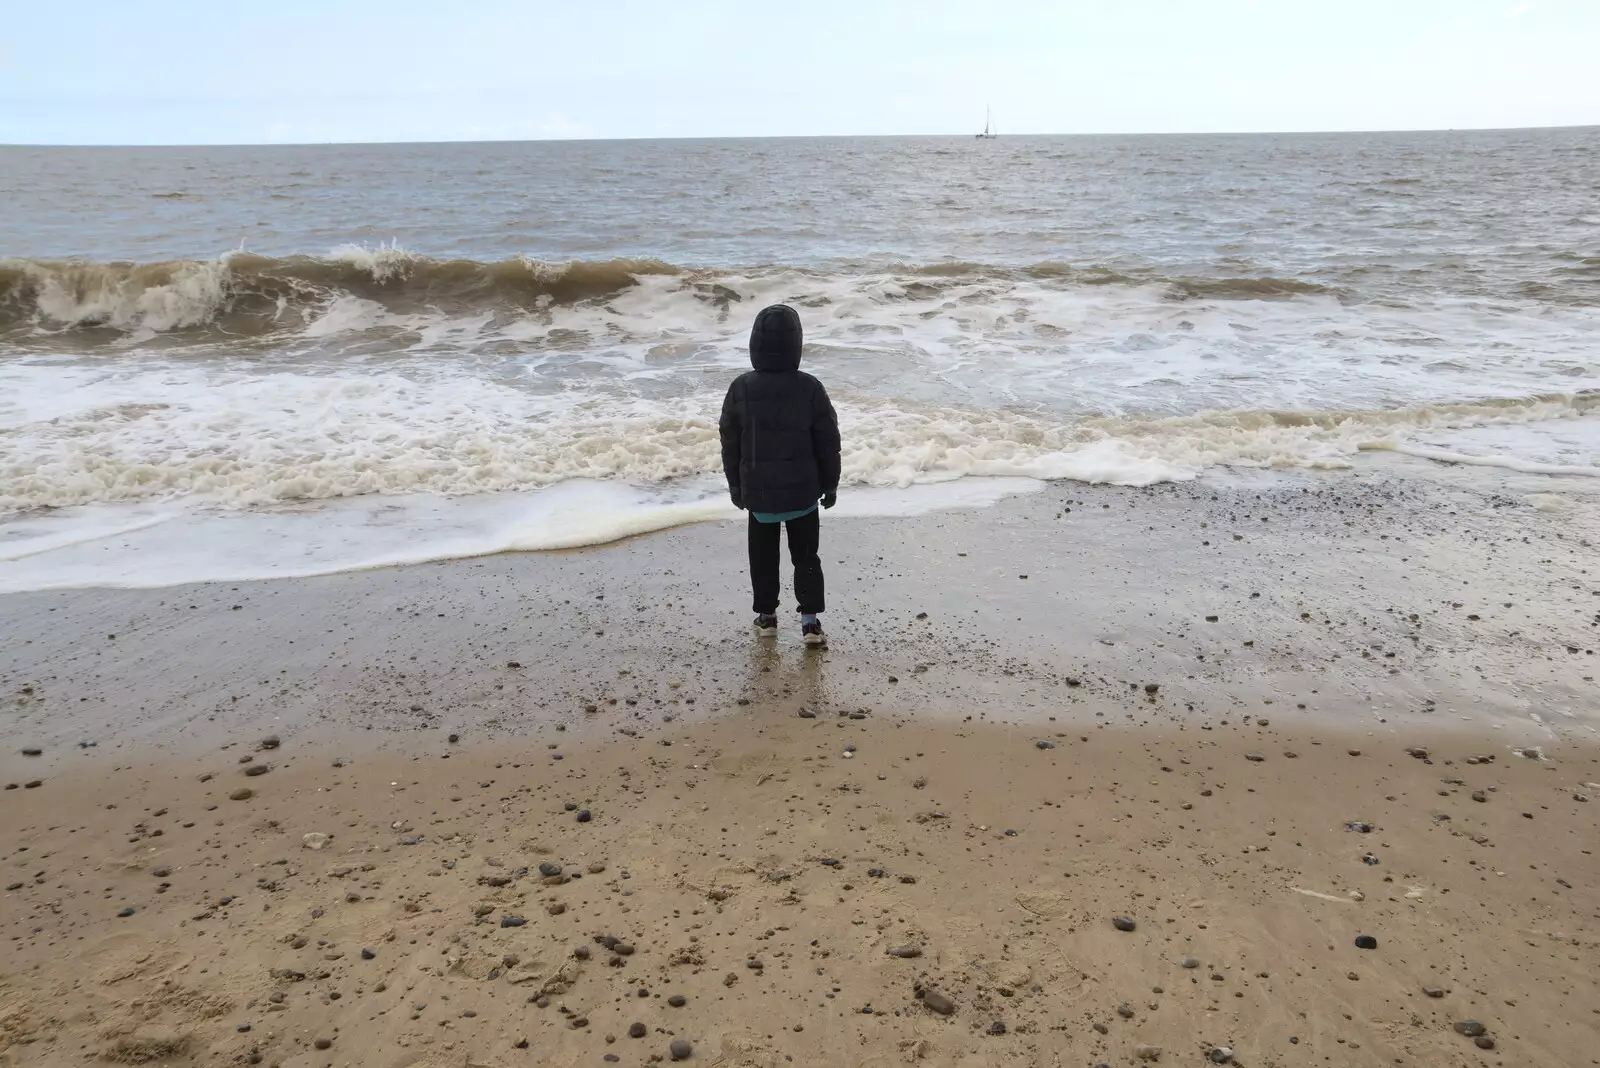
[188,329]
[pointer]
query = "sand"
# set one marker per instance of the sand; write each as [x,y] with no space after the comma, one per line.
[766,824]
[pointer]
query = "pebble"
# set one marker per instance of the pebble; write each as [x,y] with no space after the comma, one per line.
[636,1030]
[323,1043]
[1125,1011]
[584,816]
[1220,1055]
[806,713]
[905,952]
[244,793]
[1123,923]
[1433,991]
[1417,751]
[1045,743]
[549,869]
[938,1002]
[1256,757]
[997,1028]
[1366,942]
[677,1001]
[1479,796]
[680,1049]
[1484,1042]
[127,912]
[512,921]
[30,751]
[1147,1053]
[1359,828]
[1471,1028]
[1190,962]
[256,769]
[271,741]
[369,954]
[314,840]
[243,1029]
[1369,859]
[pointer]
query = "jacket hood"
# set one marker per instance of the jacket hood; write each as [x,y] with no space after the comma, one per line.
[775,339]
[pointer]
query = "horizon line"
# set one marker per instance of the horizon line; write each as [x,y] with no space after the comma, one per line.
[788,137]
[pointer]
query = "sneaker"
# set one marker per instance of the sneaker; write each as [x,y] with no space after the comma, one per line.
[766,626]
[812,634]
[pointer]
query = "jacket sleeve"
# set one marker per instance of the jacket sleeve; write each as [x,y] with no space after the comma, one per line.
[732,433]
[825,439]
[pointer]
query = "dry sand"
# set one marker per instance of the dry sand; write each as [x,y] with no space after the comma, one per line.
[763,865]
[766,876]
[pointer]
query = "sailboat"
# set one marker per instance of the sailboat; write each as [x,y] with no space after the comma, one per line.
[989,132]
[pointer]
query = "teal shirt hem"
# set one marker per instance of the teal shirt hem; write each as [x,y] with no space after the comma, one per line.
[782,517]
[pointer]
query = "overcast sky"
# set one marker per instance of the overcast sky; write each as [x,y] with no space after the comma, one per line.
[140,72]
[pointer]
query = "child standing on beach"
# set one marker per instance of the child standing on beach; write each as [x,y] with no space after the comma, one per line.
[780,451]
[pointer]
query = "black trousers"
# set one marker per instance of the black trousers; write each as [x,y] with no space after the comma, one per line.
[804,534]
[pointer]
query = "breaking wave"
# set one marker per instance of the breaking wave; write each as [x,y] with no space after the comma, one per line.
[243,294]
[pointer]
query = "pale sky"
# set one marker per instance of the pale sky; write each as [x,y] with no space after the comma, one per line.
[180,72]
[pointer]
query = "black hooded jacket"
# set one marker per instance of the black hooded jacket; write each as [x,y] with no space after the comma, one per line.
[780,437]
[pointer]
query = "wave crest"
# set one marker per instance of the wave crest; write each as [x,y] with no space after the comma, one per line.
[244,294]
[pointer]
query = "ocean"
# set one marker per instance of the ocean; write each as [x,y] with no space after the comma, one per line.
[238,362]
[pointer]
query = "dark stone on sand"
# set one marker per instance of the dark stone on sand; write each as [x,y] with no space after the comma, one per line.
[905,952]
[454,738]
[1418,752]
[1125,1011]
[33,784]
[125,913]
[570,806]
[369,954]
[584,815]
[323,1043]
[938,1002]
[1359,828]
[1152,688]
[1483,1042]
[806,713]
[1480,796]
[1045,743]
[1433,991]
[1366,942]
[1254,757]
[1370,859]
[256,769]
[677,1001]
[244,793]
[271,741]
[582,953]
[680,1049]
[1220,1055]
[1101,1028]
[1123,923]
[829,862]
[1190,962]
[243,1029]
[512,921]
[30,751]
[161,873]
[636,1030]
[1471,1028]
[549,869]
[997,1028]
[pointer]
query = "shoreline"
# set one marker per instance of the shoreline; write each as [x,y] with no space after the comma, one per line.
[432,723]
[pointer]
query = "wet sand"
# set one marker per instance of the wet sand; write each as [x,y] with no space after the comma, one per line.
[1351,613]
